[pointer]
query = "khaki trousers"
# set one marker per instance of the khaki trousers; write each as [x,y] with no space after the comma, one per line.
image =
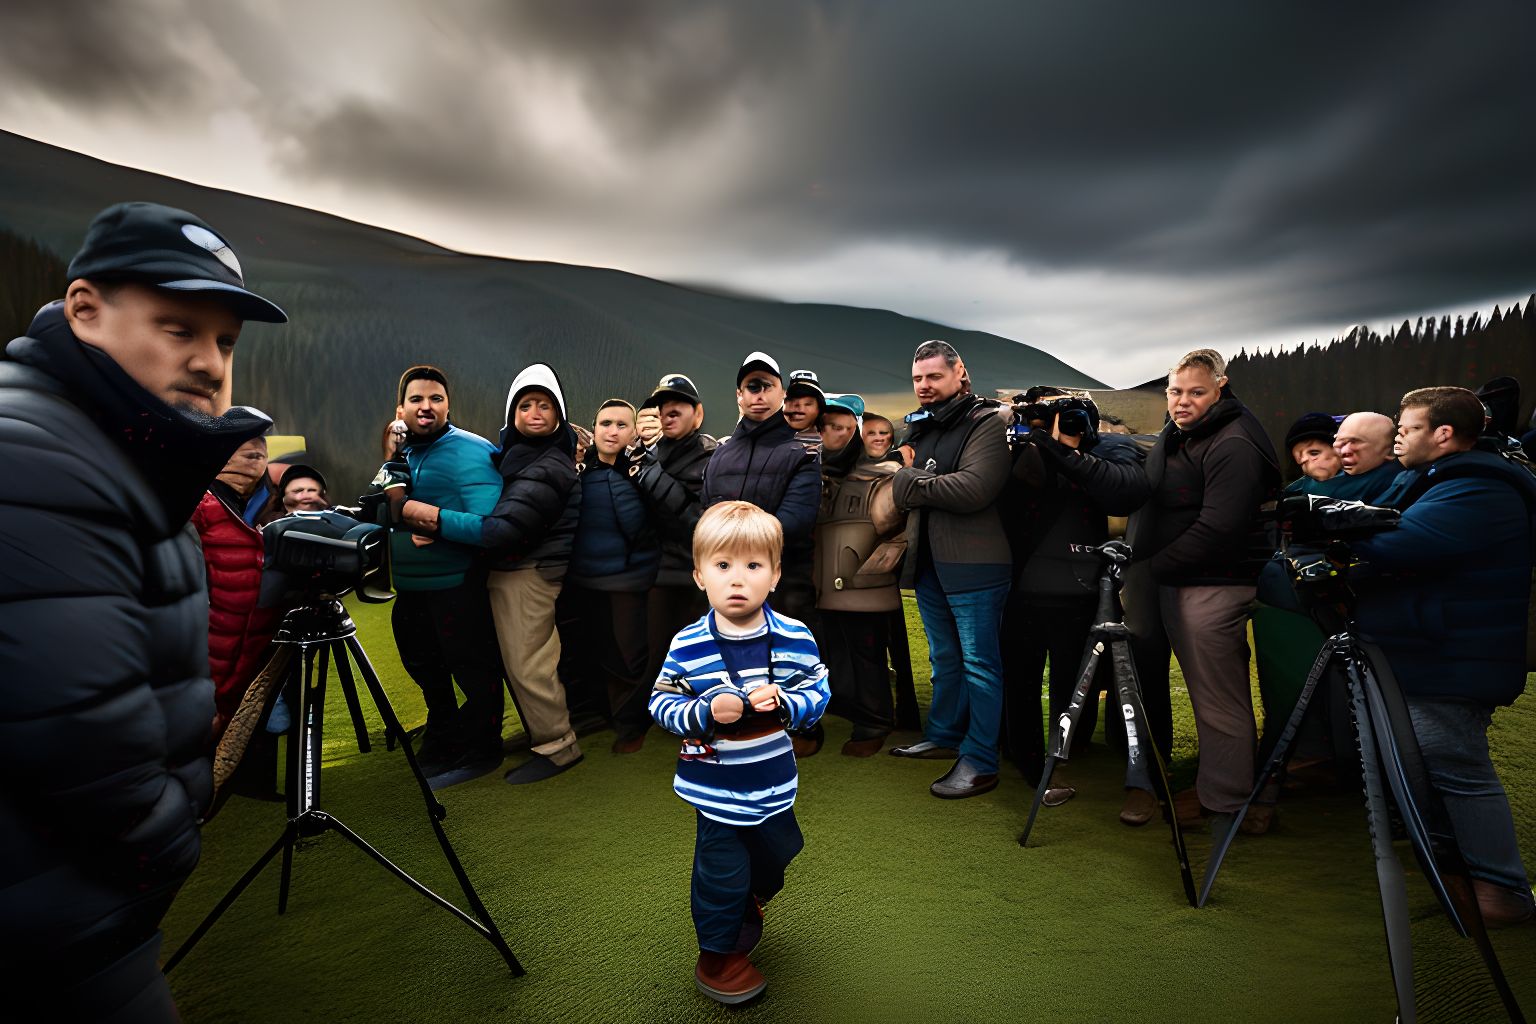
[523,603]
[1208,628]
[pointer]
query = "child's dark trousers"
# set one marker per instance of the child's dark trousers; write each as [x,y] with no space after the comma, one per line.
[732,864]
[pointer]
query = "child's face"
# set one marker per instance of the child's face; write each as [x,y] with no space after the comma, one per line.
[877,438]
[737,584]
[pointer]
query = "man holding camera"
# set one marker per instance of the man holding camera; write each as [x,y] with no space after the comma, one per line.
[1067,480]
[955,462]
[1450,612]
[112,427]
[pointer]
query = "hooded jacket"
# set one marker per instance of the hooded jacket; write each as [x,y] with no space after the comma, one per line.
[615,546]
[961,466]
[764,464]
[669,478]
[1450,608]
[1199,527]
[106,706]
[534,521]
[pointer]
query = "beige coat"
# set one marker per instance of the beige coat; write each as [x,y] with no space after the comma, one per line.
[859,543]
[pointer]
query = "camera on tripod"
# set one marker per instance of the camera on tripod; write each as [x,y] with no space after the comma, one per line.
[1315,531]
[1072,415]
[310,555]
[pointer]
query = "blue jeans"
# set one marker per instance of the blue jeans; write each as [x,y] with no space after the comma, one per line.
[733,863]
[967,662]
[1453,735]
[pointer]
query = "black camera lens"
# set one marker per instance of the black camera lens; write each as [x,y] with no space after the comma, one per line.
[1073,422]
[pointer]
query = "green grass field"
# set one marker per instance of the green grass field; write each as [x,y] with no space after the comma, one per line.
[901,908]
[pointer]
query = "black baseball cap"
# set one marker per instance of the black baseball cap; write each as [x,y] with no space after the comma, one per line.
[758,361]
[1313,426]
[168,248]
[674,387]
[300,472]
[804,383]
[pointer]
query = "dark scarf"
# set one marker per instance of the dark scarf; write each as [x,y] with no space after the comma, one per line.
[519,450]
[766,430]
[179,455]
[594,461]
[845,460]
[940,415]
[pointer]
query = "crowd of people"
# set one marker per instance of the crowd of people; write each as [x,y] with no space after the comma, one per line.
[618,568]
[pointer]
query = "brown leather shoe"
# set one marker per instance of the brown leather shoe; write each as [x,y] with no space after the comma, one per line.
[805,746]
[1502,907]
[927,751]
[1139,807]
[1188,809]
[863,748]
[629,744]
[1258,819]
[728,978]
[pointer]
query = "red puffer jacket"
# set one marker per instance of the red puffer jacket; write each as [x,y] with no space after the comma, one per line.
[238,631]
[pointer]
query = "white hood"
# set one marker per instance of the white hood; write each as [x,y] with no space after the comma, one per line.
[537,377]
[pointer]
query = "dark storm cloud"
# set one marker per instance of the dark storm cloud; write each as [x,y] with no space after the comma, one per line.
[1368,158]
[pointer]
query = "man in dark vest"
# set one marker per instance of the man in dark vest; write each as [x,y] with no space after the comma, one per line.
[1451,614]
[112,427]
[669,475]
[762,462]
[955,463]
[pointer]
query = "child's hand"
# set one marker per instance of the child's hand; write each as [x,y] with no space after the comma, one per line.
[727,708]
[765,698]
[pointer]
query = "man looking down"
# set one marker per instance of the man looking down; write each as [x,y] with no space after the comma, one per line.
[1364,443]
[110,416]
[1450,613]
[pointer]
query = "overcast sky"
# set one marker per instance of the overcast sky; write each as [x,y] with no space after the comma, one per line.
[1113,183]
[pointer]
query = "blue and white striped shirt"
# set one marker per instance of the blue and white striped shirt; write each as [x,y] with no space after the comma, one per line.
[738,781]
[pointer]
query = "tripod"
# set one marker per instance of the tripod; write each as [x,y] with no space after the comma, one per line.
[1144,767]
[1388,749]
[323,630]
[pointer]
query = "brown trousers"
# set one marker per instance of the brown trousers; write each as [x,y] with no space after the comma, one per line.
[1208,628]
[523,603]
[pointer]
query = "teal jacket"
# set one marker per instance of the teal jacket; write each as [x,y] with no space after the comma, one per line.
[454,473]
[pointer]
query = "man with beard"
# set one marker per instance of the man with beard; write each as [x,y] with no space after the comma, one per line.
[955,463]
[111,418]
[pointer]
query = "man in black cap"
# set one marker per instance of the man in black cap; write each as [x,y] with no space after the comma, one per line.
[111,416]
[765,463]
[669,475]
[804,404]
[1310,442]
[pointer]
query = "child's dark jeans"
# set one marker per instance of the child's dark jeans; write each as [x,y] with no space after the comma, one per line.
[733,863]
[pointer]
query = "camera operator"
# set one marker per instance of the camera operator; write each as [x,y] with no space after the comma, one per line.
[112,434]
[1067,480]
[1451,615]
[1211,469]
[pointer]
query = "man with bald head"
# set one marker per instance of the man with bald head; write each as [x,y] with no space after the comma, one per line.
[1364,443]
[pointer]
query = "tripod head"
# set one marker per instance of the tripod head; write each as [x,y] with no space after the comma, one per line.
[317,621]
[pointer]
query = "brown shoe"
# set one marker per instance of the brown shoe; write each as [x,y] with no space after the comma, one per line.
[863,748]
[1257,821]
[728,977]
[927,751]
[805,746]
[963,780]
[1188,809]
[629,744]
[1139,807]
[1502,907]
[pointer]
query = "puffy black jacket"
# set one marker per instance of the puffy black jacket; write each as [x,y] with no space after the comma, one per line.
[615,546]
[669,478]
[764,464]
[535,520]
[106,705]
[1200,526]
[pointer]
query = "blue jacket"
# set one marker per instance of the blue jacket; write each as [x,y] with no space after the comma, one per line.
[1450,610]
[453,472]
[763,463]
[616,547]
[1366,487]
[748,776]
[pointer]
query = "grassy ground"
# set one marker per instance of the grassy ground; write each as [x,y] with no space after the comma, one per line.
[902,907]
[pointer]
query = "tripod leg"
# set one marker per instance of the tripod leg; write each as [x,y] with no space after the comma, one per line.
[487,929]
[1227,831]
[1145,768]
[349,688]
[1063,730]
[435,810]
[284,842]
[907,715]
[1428,824]
[299,674]
[1389,869]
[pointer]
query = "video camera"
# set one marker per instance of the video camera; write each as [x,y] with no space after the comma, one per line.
[310,555]
[1070,414]
[1310,518]
[1315,534]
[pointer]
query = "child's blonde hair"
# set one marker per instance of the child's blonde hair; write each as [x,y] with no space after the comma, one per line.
[737,528]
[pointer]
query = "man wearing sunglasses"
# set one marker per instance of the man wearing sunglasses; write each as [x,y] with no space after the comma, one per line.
[763,462]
